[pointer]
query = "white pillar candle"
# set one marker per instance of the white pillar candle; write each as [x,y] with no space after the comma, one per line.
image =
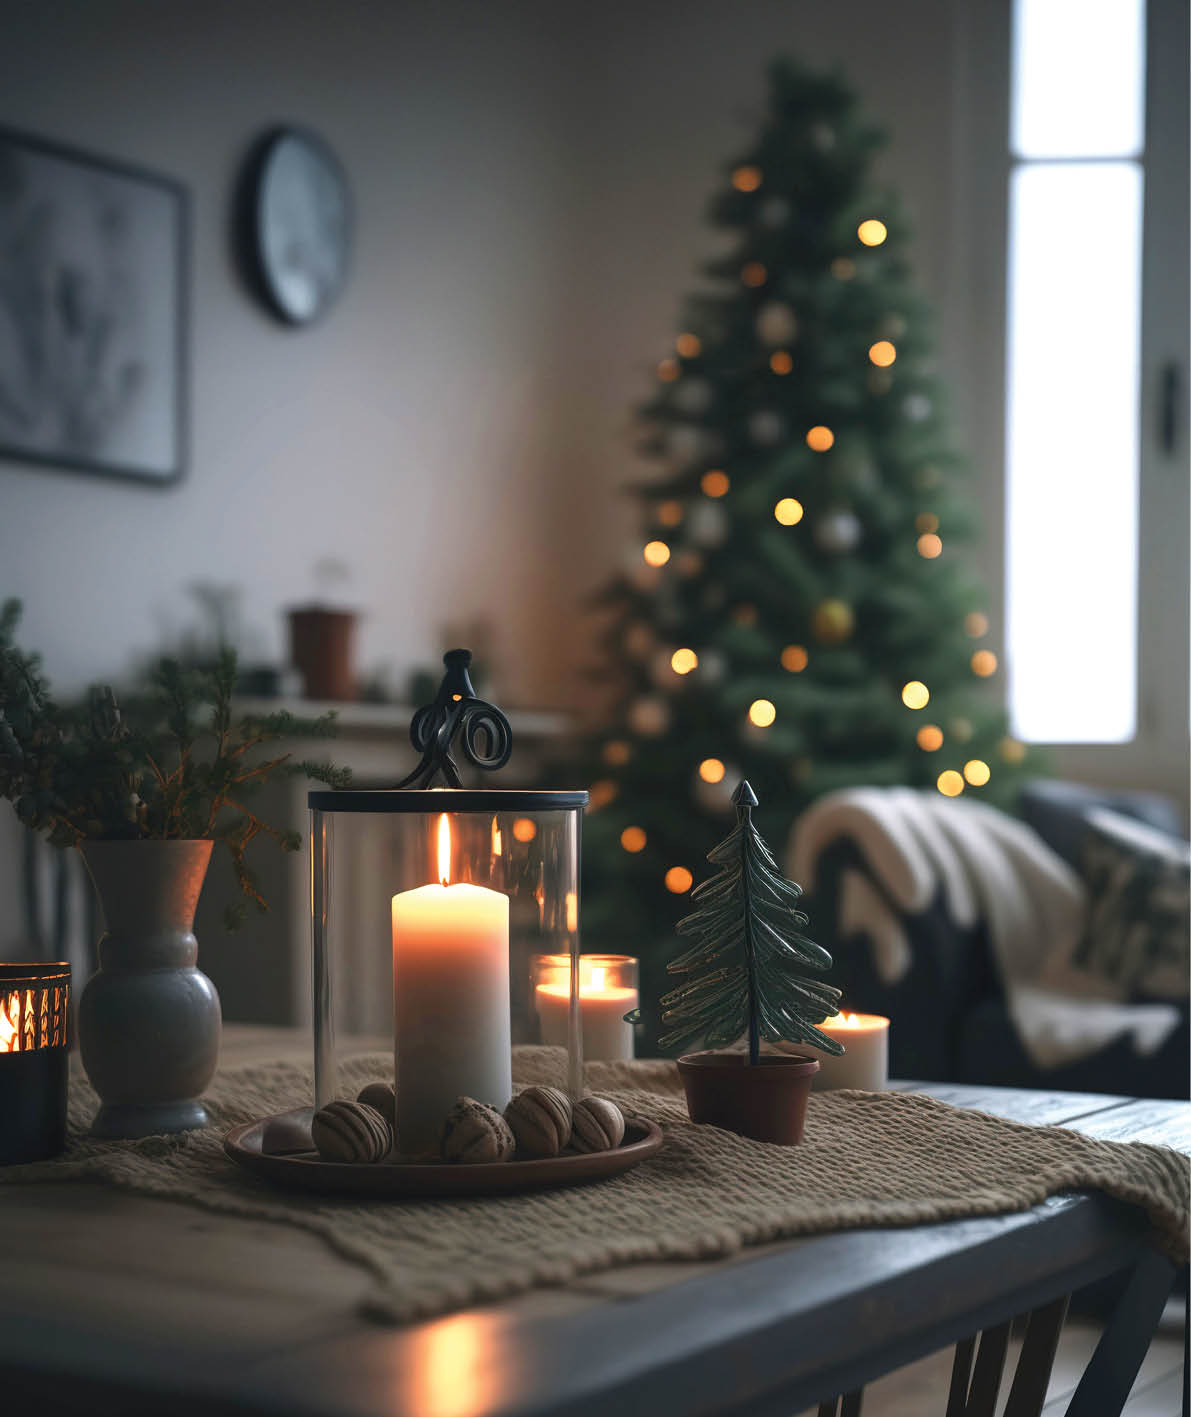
[602,1008]
[450,1002]
[865,1064]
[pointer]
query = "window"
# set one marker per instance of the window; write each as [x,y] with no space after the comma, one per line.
[1074,369]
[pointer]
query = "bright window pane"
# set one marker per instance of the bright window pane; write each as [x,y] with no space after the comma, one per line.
[1078,78]
[1072,443]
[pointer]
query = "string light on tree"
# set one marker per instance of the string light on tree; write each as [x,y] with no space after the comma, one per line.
[669,513]
[984,663]
[633,839]
[788,511]
[926,521]
[781,362]
[754,275]
[929,738]
[833,622]
[649,717]
[883,353]
[977,772]
[915,694]
[819,438]
[975,624]
[617,753]
[600,794]
[689,346]
[747,178]
[950,783]
[795,659]
[930,545]
[715,483]
[872,232]
[762,713]
[679,880]
[682,661]
[668,370]
[656,553]
[711,770]
[1012,751]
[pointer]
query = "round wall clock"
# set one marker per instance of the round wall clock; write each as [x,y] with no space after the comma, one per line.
[299,214]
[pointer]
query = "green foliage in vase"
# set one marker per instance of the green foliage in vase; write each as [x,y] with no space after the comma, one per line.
[751,971]
[809,507]
[172,763]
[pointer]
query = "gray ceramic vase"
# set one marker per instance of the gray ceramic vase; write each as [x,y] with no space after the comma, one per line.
[149,1021]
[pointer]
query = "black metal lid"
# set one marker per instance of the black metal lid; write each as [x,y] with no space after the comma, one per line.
[444,799]
[487,739]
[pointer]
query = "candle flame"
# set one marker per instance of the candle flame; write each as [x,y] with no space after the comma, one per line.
[444,849]
[597,976]
[10,1012]
[497,844]
[843,1021]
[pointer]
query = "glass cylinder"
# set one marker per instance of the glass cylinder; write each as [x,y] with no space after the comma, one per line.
[427,907]
[608,989]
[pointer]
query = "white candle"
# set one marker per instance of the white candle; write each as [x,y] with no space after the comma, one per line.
[450,1001]
[866,1062]
[602,1008]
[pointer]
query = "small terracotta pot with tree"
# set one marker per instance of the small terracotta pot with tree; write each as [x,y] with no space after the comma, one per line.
[750,974]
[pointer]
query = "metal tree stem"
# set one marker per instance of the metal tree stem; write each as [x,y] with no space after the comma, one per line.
[744,811]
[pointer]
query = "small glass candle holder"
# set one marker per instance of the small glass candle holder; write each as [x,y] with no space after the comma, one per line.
[428,905]
[34,1060]
[608,989]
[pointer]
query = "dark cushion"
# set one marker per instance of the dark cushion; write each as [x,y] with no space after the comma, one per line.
[1138,931]
[1058,812]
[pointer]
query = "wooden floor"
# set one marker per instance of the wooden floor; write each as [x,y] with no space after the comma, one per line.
[920,1390]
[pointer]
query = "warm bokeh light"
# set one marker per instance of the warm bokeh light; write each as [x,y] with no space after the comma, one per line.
[949,783]
[977,772]
[668,370]
[915,694]
[930,738]
[984,663]
[872,232]
[525,829]
[780,361]
[1012,751]
[600,794]
[976,624]
[712,770]
[682,661]
[689,346]
[747,178]
[679,880]
[633,839]
[762,713]
[670,513]
[819,438]
[656,553]
[930,545]
[842,268]
[883,353]
[754,274]
[788,511]
[794,658]
[715,483]
[617,753]
[926,521]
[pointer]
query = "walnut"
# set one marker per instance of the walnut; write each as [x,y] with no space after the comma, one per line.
[541,1121]
[382,1096]
[351,1131]
[474,1132]
[598,1125]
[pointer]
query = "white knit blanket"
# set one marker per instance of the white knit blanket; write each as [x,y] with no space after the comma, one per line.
[987,867]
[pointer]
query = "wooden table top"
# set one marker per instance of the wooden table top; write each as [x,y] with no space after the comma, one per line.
[111,1302]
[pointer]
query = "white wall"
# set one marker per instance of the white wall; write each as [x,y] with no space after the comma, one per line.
[530,180]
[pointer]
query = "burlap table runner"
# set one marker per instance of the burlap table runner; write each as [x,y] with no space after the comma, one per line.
[867,1159]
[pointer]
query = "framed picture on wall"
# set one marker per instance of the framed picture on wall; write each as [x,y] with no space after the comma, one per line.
[93,283]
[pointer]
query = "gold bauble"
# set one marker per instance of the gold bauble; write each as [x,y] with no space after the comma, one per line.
[833,622]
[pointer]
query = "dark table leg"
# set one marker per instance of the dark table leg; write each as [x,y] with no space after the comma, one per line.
[1105,1385]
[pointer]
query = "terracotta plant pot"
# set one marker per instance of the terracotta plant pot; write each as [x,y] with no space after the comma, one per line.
[766,1102]
[321,649]
[149,1021]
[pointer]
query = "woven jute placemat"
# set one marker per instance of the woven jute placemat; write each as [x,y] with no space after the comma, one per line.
[868,1159]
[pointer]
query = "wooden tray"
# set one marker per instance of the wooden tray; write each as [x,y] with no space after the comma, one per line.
[302,1170]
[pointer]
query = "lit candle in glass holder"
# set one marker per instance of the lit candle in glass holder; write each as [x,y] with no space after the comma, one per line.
[865,1063]
[34,1059]
[607,991]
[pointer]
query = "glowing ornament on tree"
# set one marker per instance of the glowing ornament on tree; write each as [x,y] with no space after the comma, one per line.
[649,717]
[838,532]
[776,323]
[766,427]
[833,622]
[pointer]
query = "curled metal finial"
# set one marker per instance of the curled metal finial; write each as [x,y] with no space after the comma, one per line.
[487,739]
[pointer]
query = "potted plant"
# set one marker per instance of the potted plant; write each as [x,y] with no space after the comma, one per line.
[145,794]
[750,973]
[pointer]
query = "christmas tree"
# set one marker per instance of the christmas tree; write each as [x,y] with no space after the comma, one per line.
[750,971]
[798,613]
